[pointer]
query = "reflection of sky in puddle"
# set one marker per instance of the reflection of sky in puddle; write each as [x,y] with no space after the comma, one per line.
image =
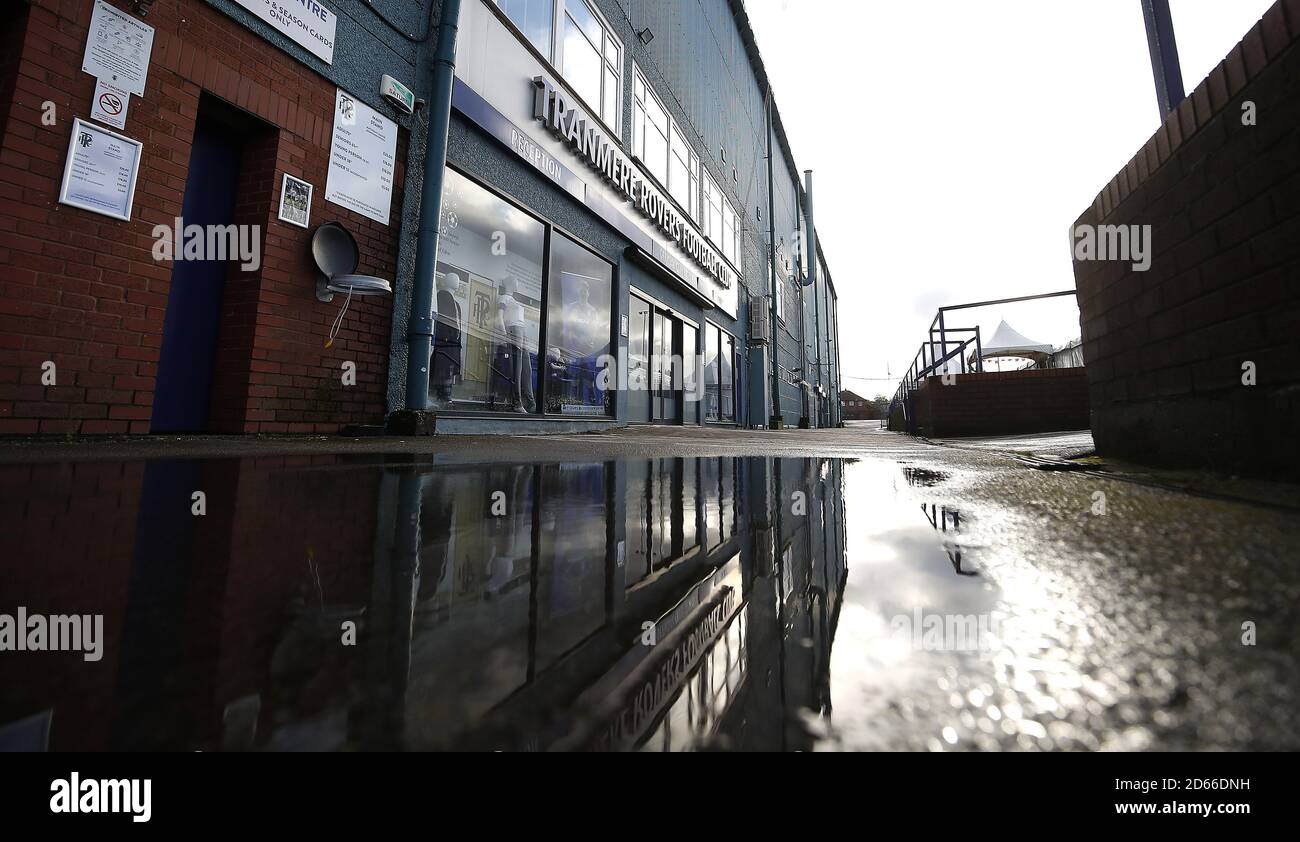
[892,686]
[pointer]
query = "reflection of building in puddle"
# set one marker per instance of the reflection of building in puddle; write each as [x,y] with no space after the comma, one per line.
[944,519]
[922,477]
[659,604]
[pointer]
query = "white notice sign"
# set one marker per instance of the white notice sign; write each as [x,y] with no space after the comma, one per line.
[307,23]
[109,105]
[118,49]
[363,153]
[101,170]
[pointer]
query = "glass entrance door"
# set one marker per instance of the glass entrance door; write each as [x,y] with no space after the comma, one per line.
[657,343]
[663,377]
[638,359]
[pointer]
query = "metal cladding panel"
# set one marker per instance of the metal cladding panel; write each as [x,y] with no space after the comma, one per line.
[698,67]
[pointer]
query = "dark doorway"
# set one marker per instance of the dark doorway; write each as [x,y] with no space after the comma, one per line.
[182,393]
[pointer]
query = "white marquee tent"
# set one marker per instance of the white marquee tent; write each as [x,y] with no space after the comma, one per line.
[1008,342]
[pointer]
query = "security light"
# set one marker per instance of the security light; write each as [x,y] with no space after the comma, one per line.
[645,36]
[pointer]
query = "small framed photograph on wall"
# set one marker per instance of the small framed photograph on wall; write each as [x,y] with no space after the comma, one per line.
[295,201]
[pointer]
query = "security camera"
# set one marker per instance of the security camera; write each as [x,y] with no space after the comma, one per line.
[419,104]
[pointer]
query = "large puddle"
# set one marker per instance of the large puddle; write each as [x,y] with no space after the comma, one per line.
[337,604]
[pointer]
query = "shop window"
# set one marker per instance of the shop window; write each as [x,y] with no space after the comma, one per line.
[488,305]
[579,298]
[690,375]
[719,375]
[727,379]
[711,374]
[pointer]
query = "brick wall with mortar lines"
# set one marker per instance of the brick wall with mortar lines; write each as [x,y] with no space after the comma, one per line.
[1003,402]
[83,290]
[1165,348]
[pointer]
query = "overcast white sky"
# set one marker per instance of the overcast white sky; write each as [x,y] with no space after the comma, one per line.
[954,143]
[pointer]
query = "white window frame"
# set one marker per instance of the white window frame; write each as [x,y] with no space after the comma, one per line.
[676,139]
[555,57]
[692,207]
[641,122]
[724,232]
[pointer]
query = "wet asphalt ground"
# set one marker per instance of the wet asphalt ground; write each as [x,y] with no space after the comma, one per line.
[1108,614]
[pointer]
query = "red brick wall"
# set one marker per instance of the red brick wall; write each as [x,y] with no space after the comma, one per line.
[1003,402]
[84,291]
[1165,347]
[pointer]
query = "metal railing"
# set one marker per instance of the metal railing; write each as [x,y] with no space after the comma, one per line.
[934,355]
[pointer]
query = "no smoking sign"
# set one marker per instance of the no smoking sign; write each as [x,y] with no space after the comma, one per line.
[110,104]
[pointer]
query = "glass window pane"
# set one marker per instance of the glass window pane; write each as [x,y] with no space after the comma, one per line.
[609,111]
[638,131]
[680,175]
[656,151]
[657,116]
[582,67]
[727,379]
[579,298]
[711,373]
[693,207]
[534,18]
[488,306]
[690,375]
[611,52]
[583,16]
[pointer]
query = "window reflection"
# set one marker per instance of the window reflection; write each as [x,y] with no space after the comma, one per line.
[577,329]
[488,308]
[587,52]
[571,558]
[534,19]
[493,620]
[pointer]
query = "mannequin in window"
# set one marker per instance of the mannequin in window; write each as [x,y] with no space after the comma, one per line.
[519,369]
[447,341]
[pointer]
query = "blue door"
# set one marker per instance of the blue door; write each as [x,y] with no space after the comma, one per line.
[189,343]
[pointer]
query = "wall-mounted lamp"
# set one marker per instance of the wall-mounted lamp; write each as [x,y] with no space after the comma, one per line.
[645,36]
